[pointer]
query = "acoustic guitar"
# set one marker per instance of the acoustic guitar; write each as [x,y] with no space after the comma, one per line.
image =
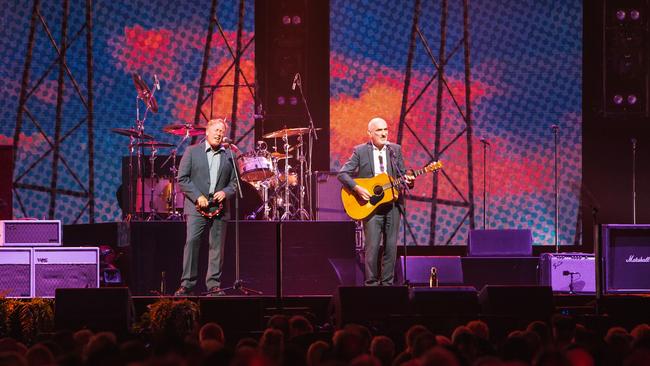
[384,189]
[213,209]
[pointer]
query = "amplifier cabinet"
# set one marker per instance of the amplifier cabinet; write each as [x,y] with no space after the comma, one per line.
[626,258]
[30,233]
[568,272]
[16,272]
[65,268]
[327,197]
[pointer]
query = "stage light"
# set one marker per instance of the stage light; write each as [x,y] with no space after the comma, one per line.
[282,100]
[618,99]
[620,15]
[634,14]
[293,101]
[631,99]
[286,20]
[297,20]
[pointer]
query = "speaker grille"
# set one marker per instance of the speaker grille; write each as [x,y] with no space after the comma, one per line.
[15,280]
[32,233]
[49,277]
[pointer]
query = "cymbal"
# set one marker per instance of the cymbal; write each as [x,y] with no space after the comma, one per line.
[131,132]
[154,144]
[182,128]
[278,155]
[144,93]
[288,132]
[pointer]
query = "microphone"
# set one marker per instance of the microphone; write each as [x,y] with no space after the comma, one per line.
[485,142]
[295,81]
[555,127]
[568,273]
[633,141]
[156,82]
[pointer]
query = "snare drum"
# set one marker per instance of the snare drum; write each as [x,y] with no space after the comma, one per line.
[255,166]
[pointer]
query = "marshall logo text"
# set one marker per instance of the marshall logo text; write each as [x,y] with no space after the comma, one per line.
[634,259]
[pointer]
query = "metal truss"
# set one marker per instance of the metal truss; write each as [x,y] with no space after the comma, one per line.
[240,49]
[443,89]
[85,189]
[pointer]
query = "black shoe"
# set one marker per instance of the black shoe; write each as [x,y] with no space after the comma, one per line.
[183,291]
[215,291]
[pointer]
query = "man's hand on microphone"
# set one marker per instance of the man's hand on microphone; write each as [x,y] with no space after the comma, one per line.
[362,192]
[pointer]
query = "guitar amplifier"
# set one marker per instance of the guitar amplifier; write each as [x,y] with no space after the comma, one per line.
[30,233]
[65,268]
[327,192]
[568,272]
[16,272]
[626,257]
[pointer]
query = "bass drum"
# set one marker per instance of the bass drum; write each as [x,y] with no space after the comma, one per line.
[250,206]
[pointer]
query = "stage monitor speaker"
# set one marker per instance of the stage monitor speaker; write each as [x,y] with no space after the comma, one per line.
[221,309]
[626,256]
[500,243]
[568,272]
[369,304]
[56,268]
[98,309]
[449,300]
[449,270]
[329,206]
[6,182]
[30,233]
[527,302]
[16,272]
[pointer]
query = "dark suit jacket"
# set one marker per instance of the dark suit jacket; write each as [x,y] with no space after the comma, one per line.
[361,164]
[194,176]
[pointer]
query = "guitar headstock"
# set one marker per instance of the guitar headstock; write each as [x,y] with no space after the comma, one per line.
[433,166]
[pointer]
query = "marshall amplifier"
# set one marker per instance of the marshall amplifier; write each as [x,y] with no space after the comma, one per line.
[16,272]
[626,258]
[65,268]
[327,197]
[568,272]
[30,233]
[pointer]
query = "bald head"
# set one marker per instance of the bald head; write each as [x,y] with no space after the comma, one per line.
[378,132]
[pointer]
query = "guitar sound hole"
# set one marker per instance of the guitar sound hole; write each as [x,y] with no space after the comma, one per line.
[377,190]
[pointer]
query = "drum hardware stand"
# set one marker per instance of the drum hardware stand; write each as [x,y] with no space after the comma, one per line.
[312,136]
[302,214]
[238,284]
[175,215]
[147,96]
[153,214]
[287,212]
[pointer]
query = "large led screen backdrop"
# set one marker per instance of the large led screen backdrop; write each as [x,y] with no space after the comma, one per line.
[525,77]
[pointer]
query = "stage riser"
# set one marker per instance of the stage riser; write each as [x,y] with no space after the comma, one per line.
[318,256]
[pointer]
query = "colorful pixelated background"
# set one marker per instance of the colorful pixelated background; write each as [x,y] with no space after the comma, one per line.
[525,69]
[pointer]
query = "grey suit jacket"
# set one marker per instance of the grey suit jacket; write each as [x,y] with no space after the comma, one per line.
[194,176]
[361,164]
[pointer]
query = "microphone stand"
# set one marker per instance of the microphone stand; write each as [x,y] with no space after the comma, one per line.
[312,136]
[485,193]
[238,284]
[633,180]
[402,210]
[557,188]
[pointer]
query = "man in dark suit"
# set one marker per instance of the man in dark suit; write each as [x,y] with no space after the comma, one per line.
[206,170]
[368,160]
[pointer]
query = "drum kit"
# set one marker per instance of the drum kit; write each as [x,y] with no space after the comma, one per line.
[273,174]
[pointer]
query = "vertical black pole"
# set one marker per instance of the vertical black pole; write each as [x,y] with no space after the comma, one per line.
[91,115]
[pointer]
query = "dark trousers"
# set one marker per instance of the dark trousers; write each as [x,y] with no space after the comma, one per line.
[196,225]
[383,224]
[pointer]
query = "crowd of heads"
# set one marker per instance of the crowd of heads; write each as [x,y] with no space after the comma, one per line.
[295,340]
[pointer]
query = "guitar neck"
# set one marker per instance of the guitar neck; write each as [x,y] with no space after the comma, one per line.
[394,182]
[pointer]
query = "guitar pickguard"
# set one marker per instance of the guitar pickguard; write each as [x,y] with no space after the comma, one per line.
[375,199]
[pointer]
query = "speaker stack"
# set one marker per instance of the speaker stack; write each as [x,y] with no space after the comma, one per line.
[33,263]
